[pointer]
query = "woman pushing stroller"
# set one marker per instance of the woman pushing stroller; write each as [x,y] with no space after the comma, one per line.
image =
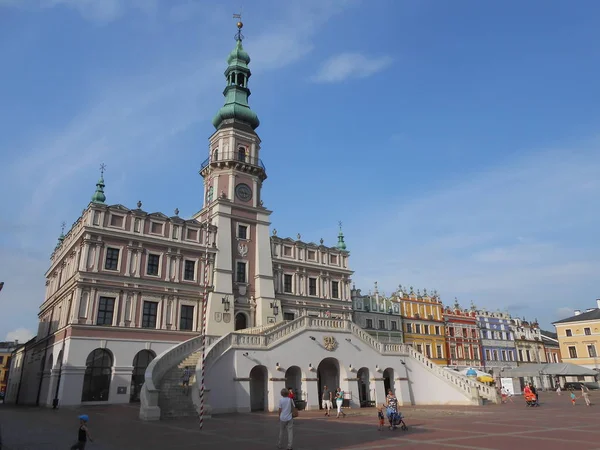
[394,416]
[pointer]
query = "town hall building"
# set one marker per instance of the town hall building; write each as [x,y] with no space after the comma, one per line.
[133,297]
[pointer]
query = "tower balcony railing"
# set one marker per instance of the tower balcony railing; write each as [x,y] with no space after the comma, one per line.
[233,157]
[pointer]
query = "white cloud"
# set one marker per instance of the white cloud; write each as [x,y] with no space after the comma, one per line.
[350,65]
[20,334]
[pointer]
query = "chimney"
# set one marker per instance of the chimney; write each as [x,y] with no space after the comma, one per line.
[598,303]
[577,312]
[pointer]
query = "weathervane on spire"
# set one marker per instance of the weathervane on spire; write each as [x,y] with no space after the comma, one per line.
[340,224]
[62,227]
[102,169]
[239,36]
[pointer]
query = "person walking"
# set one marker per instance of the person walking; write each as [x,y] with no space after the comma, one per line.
[83,434]
[326,398]
[339,400]
[185,380]
[286,419]
[585,393]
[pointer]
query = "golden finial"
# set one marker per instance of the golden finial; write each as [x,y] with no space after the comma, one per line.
[240,25]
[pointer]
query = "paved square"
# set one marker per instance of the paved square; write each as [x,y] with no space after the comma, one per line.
[555,425]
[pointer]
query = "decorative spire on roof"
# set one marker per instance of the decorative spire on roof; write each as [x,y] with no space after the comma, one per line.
[99,196]
[341,245]
[236,92]
[61,238]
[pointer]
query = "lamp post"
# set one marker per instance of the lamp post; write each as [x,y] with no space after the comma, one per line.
[226,303]
[275,308]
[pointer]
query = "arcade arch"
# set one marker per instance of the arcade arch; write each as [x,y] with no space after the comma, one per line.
[293,379]
[258,388]
[140,363]
[328,374]
[364,387]
[388,380]
[241,321]
[98,374]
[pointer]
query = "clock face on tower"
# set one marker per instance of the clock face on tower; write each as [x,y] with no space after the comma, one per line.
[243,192]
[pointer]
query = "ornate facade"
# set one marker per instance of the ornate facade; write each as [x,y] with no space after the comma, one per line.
[497,341]
[463,343]
[424,327]
[528,342]
[378,315]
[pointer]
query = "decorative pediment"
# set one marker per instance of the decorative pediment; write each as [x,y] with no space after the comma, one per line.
[119,207]
[158,215]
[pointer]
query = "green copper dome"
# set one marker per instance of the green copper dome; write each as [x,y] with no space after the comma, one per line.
[239,55]
[99,196]
[236,92]
[341,245]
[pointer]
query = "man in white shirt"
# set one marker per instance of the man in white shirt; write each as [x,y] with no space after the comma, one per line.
[286,420]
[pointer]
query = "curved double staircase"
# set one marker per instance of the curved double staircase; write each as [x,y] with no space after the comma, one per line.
[163,397]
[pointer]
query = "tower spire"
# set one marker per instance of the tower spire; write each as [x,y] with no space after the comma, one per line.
[99,196]
[341,245]
[236,93]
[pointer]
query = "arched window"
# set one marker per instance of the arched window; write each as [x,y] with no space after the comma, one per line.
[98,372]
[242,154]
[140,364]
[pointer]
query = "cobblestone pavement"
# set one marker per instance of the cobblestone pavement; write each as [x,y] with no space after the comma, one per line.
[556,425]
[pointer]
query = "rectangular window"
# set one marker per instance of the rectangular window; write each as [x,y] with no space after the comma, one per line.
[369,323]
[287,251]
[437,330]
[572,352]
[520,355]
[568,333]
[452,352]
[418,328]
[242,232]
[288,316]
[409,327]
[1,359]
[312,286]
[153,262]
[149,315]
[504,355]
[287,283]
[587,331]
[335,289]
[112,259]
[96,220]
[394,325]
[511,356]
[488,356]
[333,259]
[156,228]
[591,348]
[528,355]
[495,355]
[382,324]
[240,274]
[189,270]
[428,350]
[192,235]
[116,221]
[426,329]
[175,231]
[312,255]
[106,309]
[438,349]
[420,348]
[451,331]
[186,319]
[476,353]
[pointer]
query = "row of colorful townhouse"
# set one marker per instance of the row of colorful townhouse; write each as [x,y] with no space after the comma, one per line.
[451,335]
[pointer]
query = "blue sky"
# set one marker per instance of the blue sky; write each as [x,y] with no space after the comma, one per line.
[457,141]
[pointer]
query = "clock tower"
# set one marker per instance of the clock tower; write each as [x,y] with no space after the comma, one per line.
[243,292]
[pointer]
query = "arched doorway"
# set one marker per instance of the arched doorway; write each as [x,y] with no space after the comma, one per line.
[98,373]
[328,374]
[388,380]
[258,388]
[364,387]
[241,321]
[140,364]
[293,379]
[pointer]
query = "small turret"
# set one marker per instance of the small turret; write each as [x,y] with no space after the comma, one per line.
[341,245]
[99,196]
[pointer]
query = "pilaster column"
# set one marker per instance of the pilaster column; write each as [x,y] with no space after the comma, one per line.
[138,270]
[98,253]
[168,266]
[92,306]
[379,390]
[121,299]
[178,259]
[311,387]
[76,304]
[128,262]
[354,392]
[84,259]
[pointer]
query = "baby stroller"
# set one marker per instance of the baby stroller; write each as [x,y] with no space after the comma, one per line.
[397,419]
[530,399]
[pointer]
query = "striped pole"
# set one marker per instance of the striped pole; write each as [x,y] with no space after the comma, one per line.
[204,302]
